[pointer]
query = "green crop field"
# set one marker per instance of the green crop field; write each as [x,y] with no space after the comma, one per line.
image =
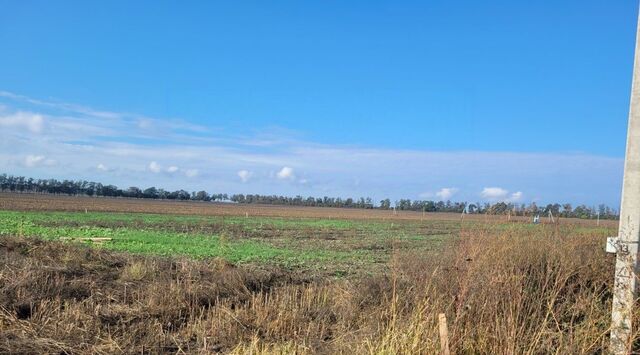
[328,246]
[333,246]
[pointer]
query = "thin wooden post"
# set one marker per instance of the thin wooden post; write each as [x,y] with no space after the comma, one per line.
[444,334]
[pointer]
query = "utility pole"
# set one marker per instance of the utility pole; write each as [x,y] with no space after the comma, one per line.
[626,245]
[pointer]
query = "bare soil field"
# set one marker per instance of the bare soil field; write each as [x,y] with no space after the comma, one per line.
[42,202]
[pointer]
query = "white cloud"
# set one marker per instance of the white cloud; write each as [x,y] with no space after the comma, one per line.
[495,194]
[26,120]
[516,196]
[191,173]
[33,160]
[102,167]
[286,173]
[446,193]
[172,169]
[154,167]
[245,175]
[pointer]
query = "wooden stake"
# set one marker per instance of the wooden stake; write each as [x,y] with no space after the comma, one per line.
[444,334]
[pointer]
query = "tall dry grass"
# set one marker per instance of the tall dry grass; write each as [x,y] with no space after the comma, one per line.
[513,292]
[504,291]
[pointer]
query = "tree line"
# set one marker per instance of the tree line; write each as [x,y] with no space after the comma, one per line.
[12,183]
[503,208]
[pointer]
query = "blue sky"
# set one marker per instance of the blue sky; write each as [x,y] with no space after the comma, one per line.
[468,100]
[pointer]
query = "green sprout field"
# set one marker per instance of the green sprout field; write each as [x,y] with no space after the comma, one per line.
[334,246]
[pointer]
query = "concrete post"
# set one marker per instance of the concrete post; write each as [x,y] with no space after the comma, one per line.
[629,232]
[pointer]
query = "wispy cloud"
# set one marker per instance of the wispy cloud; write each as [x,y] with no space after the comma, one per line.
[36,160]
[245,175]
[139,126]
[191,173]
[154,167]
[446,193]
[33,160]
[31,122]
[61,106]
[130,147]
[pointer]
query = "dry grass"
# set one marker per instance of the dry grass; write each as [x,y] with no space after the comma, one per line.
[546,290]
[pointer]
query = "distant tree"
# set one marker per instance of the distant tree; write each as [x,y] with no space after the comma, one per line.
[150,192]
[134,192]
[368,203]
[183,195]
[582,211]
[499,208]
[82,187]
[200,196]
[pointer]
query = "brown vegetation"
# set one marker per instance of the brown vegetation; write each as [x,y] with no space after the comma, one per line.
[542,291]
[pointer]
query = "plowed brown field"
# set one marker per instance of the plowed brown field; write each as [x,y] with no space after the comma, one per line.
[42,202]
